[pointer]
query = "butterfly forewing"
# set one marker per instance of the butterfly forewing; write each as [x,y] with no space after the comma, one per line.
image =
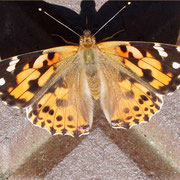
[22,78]
[154,65]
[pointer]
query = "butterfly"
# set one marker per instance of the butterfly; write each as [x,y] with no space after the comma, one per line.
[58,86]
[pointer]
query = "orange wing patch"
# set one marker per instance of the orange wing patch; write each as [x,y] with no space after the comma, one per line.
[30,72]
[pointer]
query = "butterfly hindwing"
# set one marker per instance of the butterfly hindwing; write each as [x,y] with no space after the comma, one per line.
[67,107]
[126,102]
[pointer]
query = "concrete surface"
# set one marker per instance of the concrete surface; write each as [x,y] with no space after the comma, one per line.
[147,151]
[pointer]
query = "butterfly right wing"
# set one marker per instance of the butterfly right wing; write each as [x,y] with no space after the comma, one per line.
[134,77]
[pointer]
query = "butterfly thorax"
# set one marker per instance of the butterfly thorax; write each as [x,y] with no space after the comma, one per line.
[88,51]
[87,44]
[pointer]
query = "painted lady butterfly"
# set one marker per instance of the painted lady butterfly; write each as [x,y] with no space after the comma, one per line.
[58,86]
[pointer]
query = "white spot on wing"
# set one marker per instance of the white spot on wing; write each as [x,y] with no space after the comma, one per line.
[12,64]
[2,81]
[160,50]
[10,68]
[14,58]
[157,44]
[163,53]
[175,65]
[178,48]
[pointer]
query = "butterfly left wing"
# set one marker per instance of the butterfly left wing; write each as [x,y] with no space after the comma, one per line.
[50,84]
[134,75]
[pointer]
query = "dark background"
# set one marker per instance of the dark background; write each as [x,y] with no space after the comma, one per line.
[24,29]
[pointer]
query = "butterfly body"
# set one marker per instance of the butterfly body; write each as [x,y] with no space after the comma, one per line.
[58,86]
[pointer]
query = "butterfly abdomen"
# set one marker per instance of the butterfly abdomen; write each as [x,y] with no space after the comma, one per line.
[93,80]
[89,62]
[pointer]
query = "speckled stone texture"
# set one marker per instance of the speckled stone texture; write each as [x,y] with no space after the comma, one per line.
[147,151]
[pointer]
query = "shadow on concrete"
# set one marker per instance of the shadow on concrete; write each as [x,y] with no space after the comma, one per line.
[139,149]
[48,156]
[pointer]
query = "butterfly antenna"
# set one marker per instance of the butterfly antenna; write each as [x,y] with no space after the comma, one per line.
[40,9]
[86,22]
[112,18]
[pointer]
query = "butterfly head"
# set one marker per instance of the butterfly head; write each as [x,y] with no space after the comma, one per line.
[87,40]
